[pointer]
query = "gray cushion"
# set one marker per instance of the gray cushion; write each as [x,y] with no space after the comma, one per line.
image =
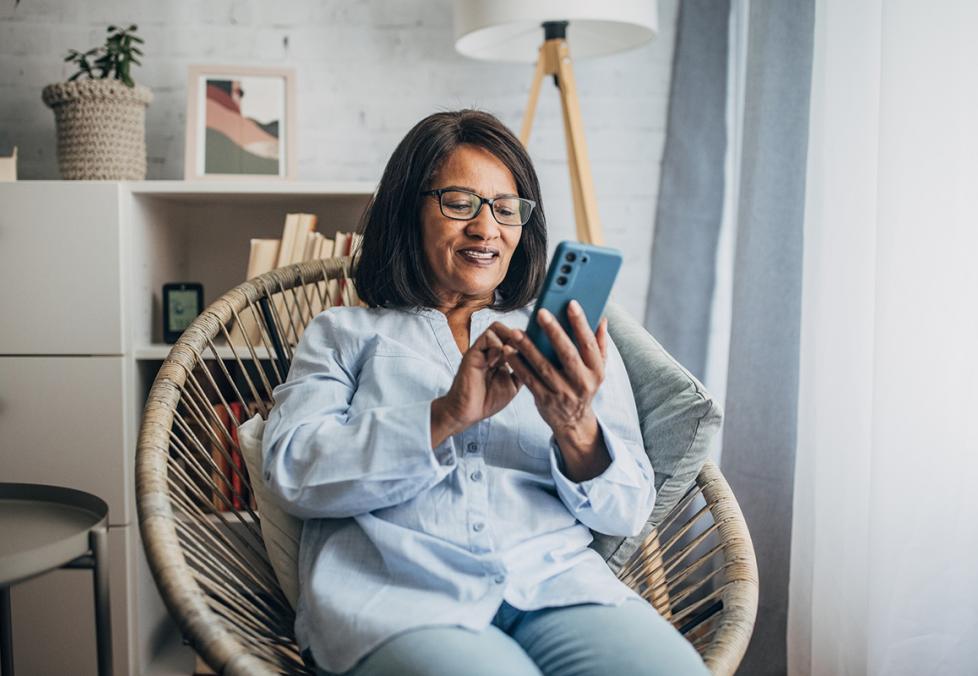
[678,418]
[280,530]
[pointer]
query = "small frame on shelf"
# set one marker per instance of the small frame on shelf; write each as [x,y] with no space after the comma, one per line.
[182,302]
[240,123]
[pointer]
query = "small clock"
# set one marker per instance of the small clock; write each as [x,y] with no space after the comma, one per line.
[182,302]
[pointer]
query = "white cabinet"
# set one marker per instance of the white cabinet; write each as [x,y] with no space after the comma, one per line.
[82,265]
[62,422]
[60,268]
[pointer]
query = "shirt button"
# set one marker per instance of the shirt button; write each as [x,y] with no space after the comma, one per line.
[476,476]
[499,579]
[477,527]
[473,447]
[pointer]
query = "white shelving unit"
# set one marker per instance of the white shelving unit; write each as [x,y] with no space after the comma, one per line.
[82,265]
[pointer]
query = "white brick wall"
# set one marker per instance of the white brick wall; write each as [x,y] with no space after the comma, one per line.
[367,71]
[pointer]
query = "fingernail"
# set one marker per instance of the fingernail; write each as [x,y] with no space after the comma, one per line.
[575,306]
[518,334]
[545,315]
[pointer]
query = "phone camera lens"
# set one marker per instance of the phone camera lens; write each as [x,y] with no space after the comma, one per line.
[571,256]
[565,269]
[561,280]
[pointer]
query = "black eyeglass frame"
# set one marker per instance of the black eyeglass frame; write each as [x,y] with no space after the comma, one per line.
[438,192]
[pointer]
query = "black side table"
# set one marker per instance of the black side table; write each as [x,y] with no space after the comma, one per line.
[43,528]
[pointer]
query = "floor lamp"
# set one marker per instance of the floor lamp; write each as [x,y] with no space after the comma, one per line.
[509,30]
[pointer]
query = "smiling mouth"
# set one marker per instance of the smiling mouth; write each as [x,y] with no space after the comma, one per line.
[479,256]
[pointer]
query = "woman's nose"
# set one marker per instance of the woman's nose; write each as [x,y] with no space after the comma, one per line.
[483,225]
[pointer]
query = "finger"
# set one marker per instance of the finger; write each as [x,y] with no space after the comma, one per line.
[527,376]
[588,346]
[495,345]
[546,372]
[504,377]
[575,370]
[503,332]
[602,338]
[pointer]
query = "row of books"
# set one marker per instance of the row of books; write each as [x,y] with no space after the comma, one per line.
[217,454]
[231,485]
[299,242]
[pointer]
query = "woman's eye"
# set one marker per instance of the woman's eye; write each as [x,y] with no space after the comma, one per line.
[502,211]
[459,206]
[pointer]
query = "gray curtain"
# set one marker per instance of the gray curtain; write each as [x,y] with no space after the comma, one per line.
[690,206]
[762,380]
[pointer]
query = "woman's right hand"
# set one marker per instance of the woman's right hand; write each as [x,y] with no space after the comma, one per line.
[483,386]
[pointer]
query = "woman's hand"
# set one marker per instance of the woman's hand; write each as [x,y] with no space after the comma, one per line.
[483,386]
[564,395]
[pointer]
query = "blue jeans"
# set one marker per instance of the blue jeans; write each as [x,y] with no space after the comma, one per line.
[581,640]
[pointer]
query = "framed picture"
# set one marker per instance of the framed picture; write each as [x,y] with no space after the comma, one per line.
[240,123]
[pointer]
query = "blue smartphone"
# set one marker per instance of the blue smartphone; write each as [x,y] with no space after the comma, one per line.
[578,271]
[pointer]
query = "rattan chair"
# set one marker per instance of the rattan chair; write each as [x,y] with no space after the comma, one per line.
[209,559]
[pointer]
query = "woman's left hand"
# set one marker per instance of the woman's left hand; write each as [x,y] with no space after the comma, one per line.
[564,395]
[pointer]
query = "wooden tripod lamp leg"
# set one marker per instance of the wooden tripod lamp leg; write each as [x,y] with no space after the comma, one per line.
[555,60]
[531,106]
[585,204]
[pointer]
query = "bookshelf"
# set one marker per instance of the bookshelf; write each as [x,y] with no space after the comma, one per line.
[81,270]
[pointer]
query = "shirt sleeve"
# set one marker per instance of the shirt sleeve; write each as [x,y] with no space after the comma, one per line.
[619,500]
[322,461]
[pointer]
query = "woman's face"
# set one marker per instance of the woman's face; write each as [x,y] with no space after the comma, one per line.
[468,259]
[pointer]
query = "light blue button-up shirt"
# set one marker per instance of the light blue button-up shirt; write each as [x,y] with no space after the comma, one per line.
[399,536]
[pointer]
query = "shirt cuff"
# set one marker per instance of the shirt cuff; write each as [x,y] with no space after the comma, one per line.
[623,470]
[444,453]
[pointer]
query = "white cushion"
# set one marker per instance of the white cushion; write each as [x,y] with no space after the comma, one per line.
[281,531]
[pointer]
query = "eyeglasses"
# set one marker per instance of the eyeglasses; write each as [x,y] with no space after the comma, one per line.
[463,205]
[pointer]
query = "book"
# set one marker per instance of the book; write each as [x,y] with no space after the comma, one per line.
[341,248]
[331,290]
[307,226]
[262,258]
[322,290]
[292,250]
[312,246]
[289,233]
[355,254]
[221,492]
[238,487]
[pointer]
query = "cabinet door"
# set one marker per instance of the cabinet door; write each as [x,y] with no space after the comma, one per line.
[60,268]
[62,422]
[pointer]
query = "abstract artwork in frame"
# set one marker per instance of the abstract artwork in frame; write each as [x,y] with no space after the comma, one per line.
[240,123]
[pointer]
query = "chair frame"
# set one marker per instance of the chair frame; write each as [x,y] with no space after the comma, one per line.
[697,568]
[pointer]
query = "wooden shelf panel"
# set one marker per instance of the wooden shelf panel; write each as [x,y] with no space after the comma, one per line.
[243,191]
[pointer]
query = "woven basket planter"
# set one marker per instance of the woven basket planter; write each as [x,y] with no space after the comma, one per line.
[101,129]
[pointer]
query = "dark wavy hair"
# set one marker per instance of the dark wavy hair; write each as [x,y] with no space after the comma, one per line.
[391,269]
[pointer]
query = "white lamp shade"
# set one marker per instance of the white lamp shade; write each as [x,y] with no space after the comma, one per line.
[510,30]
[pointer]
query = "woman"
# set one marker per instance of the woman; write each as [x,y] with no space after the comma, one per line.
[448,473]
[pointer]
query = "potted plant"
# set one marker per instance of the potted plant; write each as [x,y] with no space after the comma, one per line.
[100,112]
